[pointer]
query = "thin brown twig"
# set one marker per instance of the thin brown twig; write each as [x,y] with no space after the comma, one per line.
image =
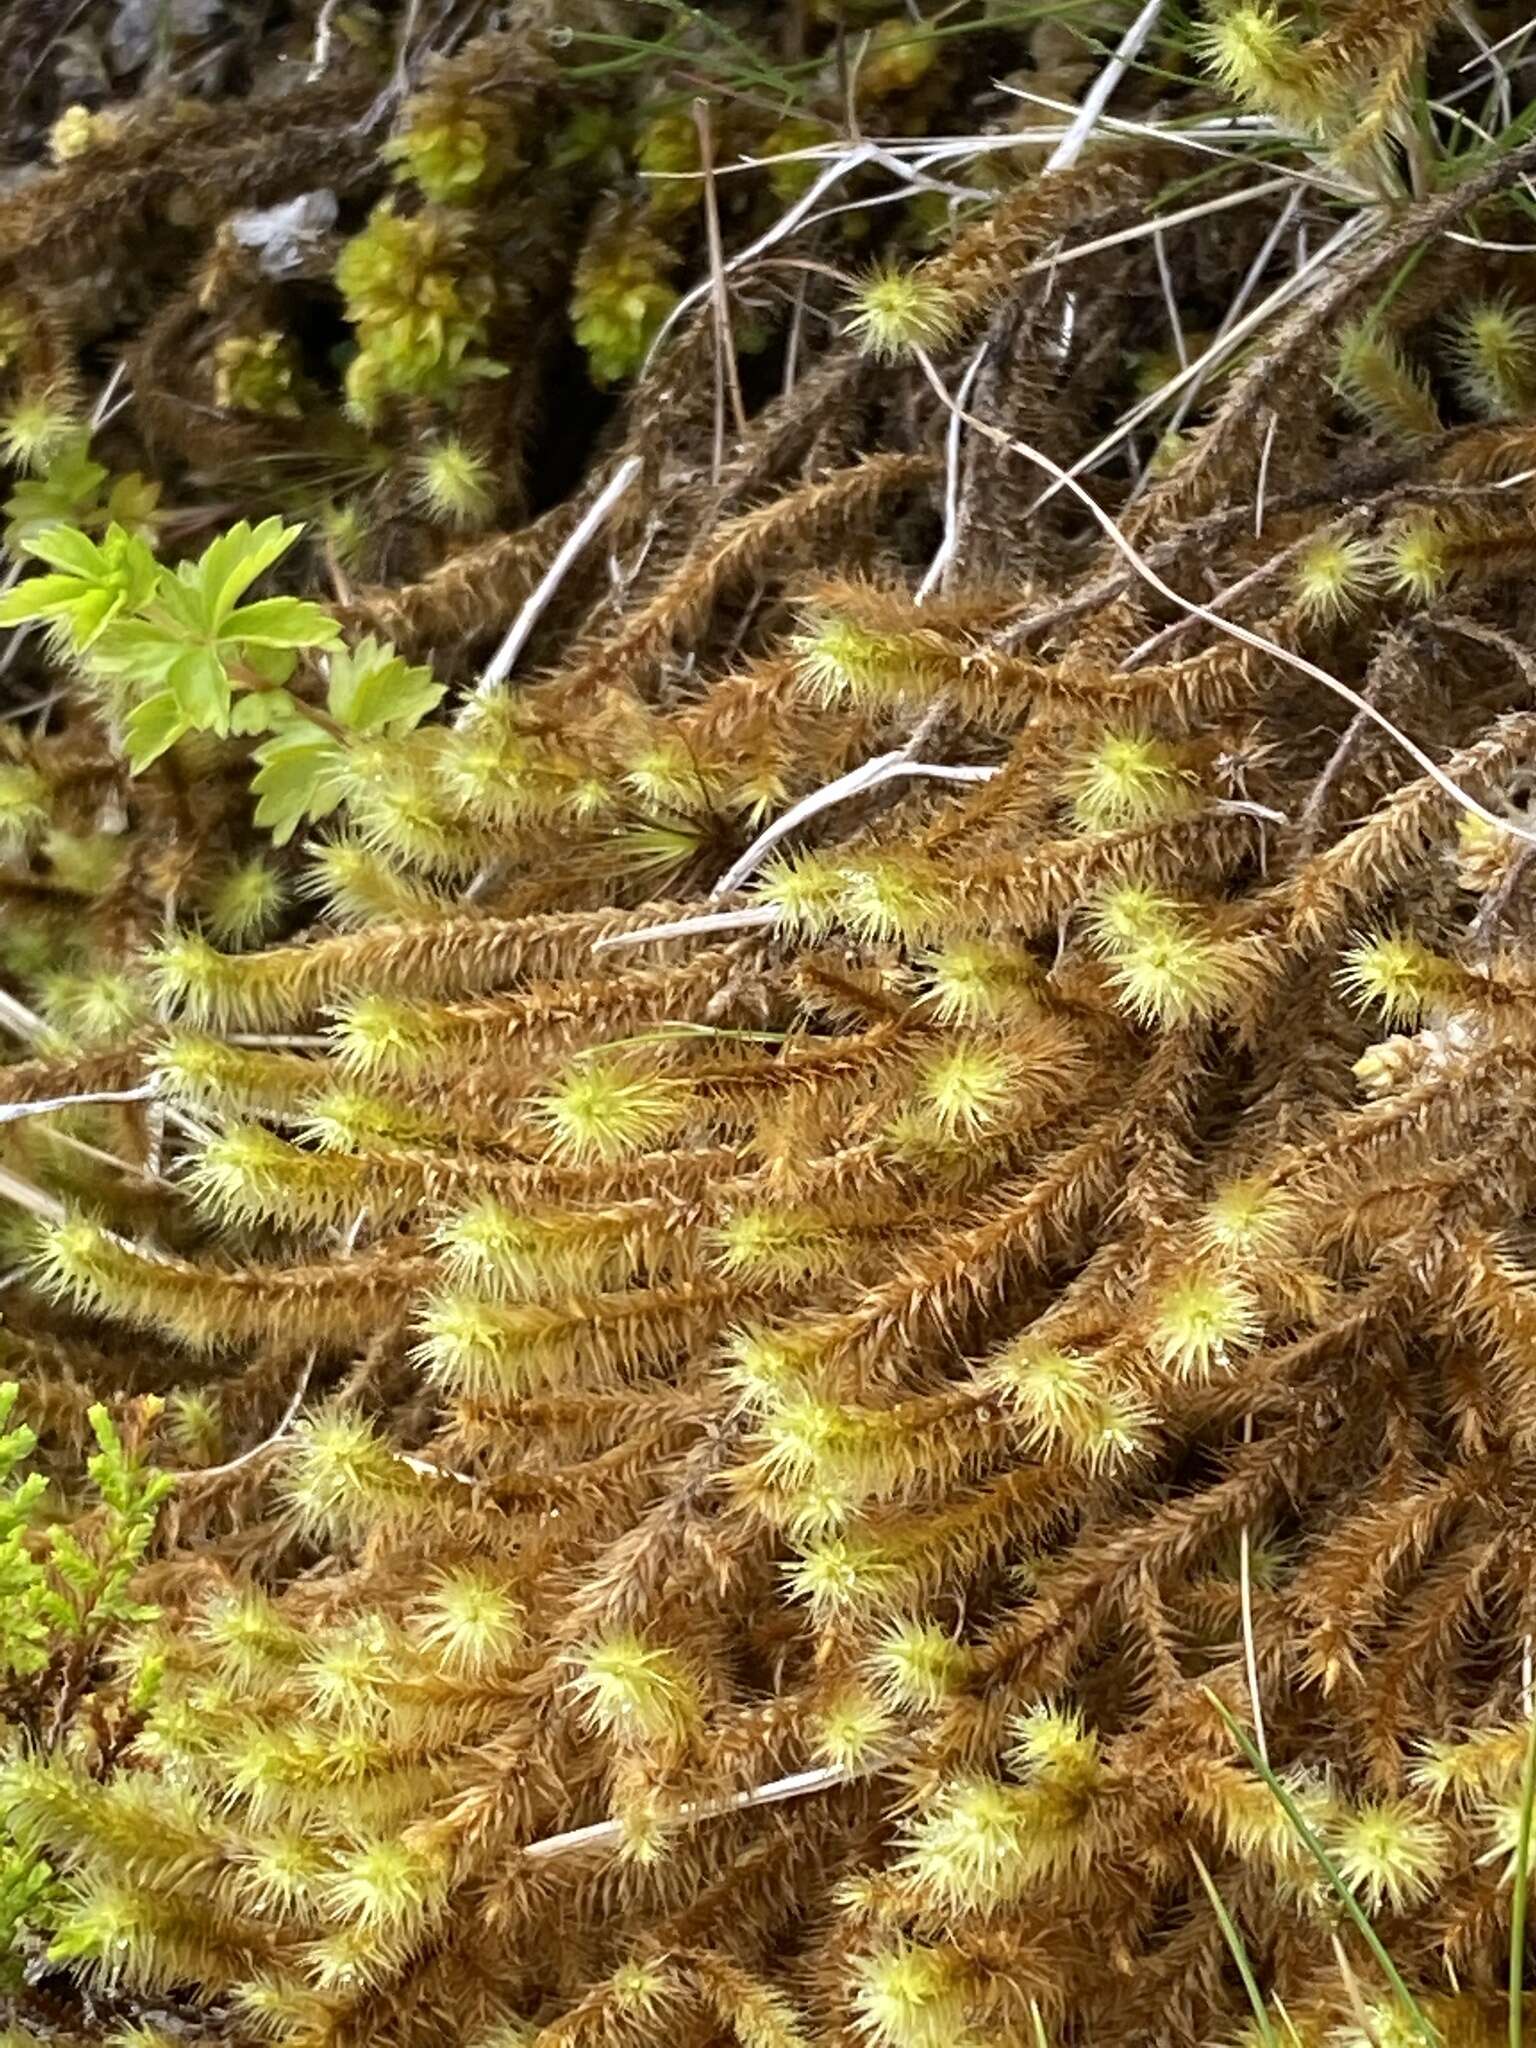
[1310,821]
[1260,642]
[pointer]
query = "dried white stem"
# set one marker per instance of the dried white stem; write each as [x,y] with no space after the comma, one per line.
[608,1833]
[15,1016]
[857,782]
[725,341]
[285,1041]
[1467,22]
[1142,228]
[792,217]
[1250,1647]
[915,177]
[1240,298]
[752,919]
[430,1471]
[1154,642]
[1493,248]
[104,408]
[900,762]
[1241,807]
[939,567]
[504,659]
[932,149]
[1261,490]
[1170,299]
[1493,49]
[27,1195]
[402,79]
[320,55]
[1071,145]
[12,1112]
[1197,136]
[804,211]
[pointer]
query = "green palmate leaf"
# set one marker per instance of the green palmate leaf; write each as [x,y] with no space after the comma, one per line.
[301,776]
[202,597]
[281,622]
[181,606]
[228,566]
[93,582]
[132,503]
[263,711]
[39,598]
[273,664]
[190,634]
[374,690]
[66,548]
[200,684]
[66,494]
[154,724]
[135,651]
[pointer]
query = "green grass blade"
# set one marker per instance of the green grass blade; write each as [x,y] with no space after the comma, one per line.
[1325,1863]
[1396,282]
[1236,1944]
[1508,138]
[1522,1892]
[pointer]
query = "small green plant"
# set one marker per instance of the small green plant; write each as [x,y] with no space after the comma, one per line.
[75,490]
[67,1591]
[454,144]
[420,301]
[178,647]
[257,373]
[303,769]
[65,1599]
[178,651]
[620,296]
